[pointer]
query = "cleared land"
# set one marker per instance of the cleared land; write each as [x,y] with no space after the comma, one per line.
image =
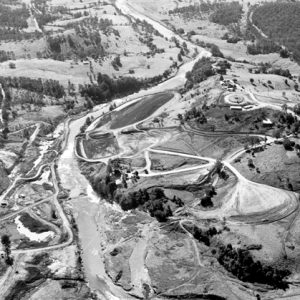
[139,110]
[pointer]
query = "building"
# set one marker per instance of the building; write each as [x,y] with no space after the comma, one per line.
[237,108]
[267,123]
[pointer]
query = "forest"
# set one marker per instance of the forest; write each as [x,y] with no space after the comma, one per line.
[152,200]
[7,55]
[263,46]
[220,12]
[227,13]
[281,23]
[241,264]
[107,88]
[86,42]
[13,17]
[200,72]
[45,87]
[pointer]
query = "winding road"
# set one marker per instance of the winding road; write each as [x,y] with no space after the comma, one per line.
[84,206]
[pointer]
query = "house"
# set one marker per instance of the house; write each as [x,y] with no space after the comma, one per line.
[239,108]
[267,123]
[118,182]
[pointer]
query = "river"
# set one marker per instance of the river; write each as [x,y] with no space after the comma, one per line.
[84,202]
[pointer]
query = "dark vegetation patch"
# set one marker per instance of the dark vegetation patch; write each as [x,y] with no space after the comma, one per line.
[32,224]
[153,200]
[263,46]
[239,261]
[202,69]
[281,23]
[107,88]
[13,17]
[219,12]
[227,13]
[241,264]
[4,179]
[81,44]
[21,288]
[222,119]
[47,87]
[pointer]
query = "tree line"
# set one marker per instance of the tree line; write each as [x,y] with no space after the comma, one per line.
[107,88]
[220,12]
[7,55]
[241,264]
[15,17]
[47,87]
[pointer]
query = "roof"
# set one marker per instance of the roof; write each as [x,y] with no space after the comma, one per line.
[267,122]
[236,107]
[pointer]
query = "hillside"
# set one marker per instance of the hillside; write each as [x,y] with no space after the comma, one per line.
[281,23]
[4,181]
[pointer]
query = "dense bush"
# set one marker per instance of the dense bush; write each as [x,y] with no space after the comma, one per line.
[18,35]
[108,88]
[6,55]
[191,10]
[263,46]
[281,23]
[227,13]
[200,72]
[215,50]
[241,264]
[13,17]
[155,202]
[195,114]
[47,87]
[220,12]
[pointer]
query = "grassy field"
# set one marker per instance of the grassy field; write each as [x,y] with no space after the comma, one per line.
[101,147]
[139,110]
[164,162]
[276,167]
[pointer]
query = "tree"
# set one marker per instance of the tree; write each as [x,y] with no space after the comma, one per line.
[276,134]
[297,109]
[12,65]
[5,241]
[250,163]
[284,108]
[215,51]
[88,121]
[288,144]
[284,53]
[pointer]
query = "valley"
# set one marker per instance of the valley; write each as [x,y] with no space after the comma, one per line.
[139,161]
